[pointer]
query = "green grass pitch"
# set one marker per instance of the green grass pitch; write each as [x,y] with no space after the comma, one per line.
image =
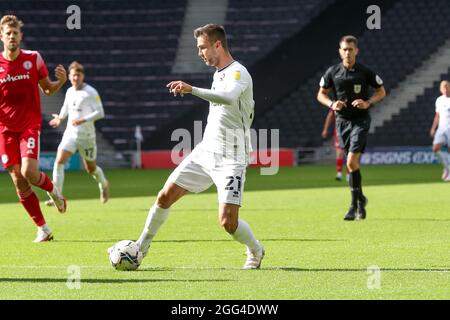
[311,253]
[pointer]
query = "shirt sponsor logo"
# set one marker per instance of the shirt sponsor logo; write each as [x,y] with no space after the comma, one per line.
[27,65]
[10,78]
[357,88]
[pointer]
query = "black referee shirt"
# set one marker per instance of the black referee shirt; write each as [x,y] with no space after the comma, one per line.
[349,85]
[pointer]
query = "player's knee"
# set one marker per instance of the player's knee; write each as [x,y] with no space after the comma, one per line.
[90,170]
[352,166]
[29,174]
[20,183]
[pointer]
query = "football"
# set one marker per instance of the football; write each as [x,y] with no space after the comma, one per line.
[125,255]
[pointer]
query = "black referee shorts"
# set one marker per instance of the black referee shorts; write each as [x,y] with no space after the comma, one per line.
[352,133]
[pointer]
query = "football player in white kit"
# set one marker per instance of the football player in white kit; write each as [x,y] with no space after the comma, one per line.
[222,157]
[440,129]
[83,107]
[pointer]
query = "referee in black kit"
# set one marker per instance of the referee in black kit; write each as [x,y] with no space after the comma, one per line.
[350,83]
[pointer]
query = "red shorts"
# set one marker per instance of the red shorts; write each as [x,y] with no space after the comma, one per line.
[17,145]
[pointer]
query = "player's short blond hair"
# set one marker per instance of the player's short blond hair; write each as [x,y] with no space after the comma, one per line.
[12,21]
[213,32]
[78,67]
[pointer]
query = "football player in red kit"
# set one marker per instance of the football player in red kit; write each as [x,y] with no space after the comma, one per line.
[22,72]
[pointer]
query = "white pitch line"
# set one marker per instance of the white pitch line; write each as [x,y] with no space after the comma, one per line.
[161,268]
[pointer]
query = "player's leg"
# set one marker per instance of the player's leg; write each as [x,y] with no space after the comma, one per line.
[29,151]
[339,163]
[58,167]
[230,187]
[88,152]
[339,156]
[189,176]
[437,149]
[159,213]
[358,140]
[30,170]
[62,157]
[241,232]
[440,138]
[30,202]
[99,176]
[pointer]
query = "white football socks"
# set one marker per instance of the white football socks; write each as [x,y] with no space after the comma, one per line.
[99,176]
[442,158]
[244,235]
[45,228]
[156,217]
[58,176]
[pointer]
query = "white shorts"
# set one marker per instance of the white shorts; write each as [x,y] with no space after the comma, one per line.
[87,147]
[442,137]
[201,169]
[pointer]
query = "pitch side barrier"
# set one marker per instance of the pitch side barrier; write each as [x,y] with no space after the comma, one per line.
[398,155]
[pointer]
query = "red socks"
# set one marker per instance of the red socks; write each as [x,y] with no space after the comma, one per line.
[31,204]
[339,165]
[45,183]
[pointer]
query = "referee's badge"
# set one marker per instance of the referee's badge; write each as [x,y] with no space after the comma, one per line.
[357,88]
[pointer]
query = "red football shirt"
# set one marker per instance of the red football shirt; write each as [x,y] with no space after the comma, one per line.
[20,103]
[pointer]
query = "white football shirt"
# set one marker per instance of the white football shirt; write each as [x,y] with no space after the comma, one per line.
[443,108]
[84,103]
[231,112]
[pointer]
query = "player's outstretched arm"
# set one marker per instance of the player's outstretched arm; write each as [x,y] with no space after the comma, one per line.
[214,96]
[50,87]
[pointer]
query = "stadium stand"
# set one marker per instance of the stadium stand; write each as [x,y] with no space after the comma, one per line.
[394,52]
[412,125]
[128,49]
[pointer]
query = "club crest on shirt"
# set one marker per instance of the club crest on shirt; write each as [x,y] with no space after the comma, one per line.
[5,158]
[2,69]
[27,65]
[222,76]
[357,88]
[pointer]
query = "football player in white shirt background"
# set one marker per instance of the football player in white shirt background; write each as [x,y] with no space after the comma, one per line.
[440,129]
[222,157]
[83,106]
